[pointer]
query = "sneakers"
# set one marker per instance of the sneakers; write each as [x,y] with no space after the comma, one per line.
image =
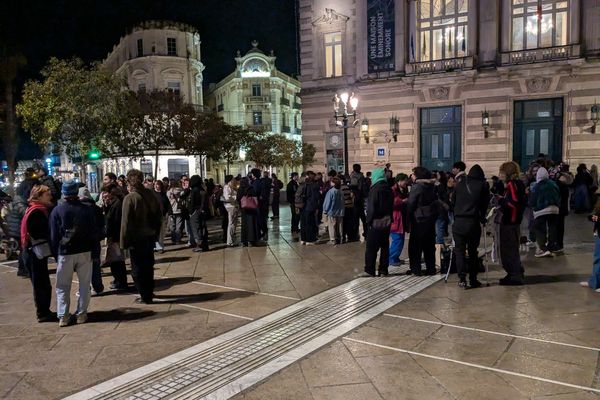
[82,318]
[584,284]
[64,320]
[302,242]
[543,253]
[463,284]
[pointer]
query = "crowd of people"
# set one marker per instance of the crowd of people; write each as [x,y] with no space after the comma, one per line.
[134,214]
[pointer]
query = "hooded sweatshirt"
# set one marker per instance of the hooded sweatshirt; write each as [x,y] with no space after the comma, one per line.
[380,203]
[472,196]
[545,195]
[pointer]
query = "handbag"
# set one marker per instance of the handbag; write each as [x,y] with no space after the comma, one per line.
[249,203]
[41,248]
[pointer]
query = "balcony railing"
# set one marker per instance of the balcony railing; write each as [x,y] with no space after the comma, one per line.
[285,102]
[447,65]
[285,129]
[257,99]
[540,55]
[297,106]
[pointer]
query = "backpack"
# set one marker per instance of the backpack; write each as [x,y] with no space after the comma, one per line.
[300,197]
[14,216]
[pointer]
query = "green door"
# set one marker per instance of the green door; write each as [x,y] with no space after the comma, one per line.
[440,137]
[537,130]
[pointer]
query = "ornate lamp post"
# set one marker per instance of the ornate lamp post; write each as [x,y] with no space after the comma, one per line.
[341,112]
[595,116]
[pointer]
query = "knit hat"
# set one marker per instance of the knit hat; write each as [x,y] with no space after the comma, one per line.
[84,193]
[70,188]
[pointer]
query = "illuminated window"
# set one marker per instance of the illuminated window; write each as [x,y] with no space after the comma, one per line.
[441,29]
[333,54]
[256,89]
[171,47]
[140,48]
[538,23]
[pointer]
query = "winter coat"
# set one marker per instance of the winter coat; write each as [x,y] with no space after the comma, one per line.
[472,196]
[564,181]
[174,196]
[348,196]
[290,191]
[16,211]
[141,217]
[100,226]
[313,197]
[333,204]
[399,216]
[35,224]
[512,205]
[73,228]
[229,197]
[422,202]
[113,221]
[544,198]
[380,203]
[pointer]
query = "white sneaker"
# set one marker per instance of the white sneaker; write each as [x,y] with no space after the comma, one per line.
[584,284]
[82,318]
[530,244]
[597,290]
[64,320]
[302,242]
[543,253]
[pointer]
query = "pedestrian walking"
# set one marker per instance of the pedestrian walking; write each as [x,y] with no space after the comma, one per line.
[333,208]
[72,232]
[400,223]
[35,237]
[112,196]
[380,204]
[471,201]
[423,211]
[140,227]
[290,192]
[510,215]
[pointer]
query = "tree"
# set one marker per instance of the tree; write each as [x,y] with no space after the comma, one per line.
[229,143]
[151,122]
[270,150]
[303,154]
[9,66]
[76,107]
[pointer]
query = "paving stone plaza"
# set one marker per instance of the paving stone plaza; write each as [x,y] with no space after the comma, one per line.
[287,321]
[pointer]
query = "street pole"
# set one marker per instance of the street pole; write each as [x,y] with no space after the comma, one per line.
[346,161]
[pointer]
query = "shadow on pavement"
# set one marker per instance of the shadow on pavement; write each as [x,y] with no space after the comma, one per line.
[167,283]
[120,314]
[540,279]
[202,297]
[170,260]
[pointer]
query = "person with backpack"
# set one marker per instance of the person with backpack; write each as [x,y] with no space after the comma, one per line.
[422,209]
[140,227]
[471,200]
[380,205]
[35,237]
[277,186]
[99,223]
[349,227]
[511,208]
[333,208]
[544,199]
[73,231]
[290,192]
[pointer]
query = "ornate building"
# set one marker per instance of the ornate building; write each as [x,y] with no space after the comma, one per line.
[256,95]
[438,81]
[160,55]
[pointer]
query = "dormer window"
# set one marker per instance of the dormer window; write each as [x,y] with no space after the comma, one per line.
[172,47]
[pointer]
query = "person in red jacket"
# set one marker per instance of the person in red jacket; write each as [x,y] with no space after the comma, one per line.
[400,221]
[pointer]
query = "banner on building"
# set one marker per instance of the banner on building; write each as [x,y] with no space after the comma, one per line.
[380,35]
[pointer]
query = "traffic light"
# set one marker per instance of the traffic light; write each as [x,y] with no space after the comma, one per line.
[94,154]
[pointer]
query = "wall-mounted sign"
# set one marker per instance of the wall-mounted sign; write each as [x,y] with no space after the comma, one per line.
[381,152]
[380,35]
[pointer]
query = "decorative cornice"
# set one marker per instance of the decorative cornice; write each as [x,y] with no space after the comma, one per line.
[330,16]
[538,84]
[439,93]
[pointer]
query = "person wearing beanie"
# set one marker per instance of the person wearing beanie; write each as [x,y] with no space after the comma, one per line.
[73,230]
[380,203]
[544,200]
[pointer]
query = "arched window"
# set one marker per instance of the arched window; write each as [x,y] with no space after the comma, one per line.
[442,29]
[538,24]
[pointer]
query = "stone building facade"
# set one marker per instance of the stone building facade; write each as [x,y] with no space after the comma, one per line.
[256,95]
[427,72]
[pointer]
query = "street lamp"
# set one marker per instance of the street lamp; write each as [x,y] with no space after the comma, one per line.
[485,122]
[595,117]
[341,113]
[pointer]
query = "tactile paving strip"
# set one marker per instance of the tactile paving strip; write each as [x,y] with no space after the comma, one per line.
[198,374]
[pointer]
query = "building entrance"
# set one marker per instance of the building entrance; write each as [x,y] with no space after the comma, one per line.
[440,137]
[538,129]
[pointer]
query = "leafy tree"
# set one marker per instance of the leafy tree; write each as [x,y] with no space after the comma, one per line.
[229,143]
[302,155]
[75,107]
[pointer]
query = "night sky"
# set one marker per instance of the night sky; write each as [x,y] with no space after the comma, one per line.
[90,28]
[40,29]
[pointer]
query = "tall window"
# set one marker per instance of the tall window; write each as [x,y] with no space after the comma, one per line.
[256,89]
[146,167]
[257,118]
[171,46]
[333,54]
[140,47]
[441,29]
[142,87]
[538,23]
[174,87]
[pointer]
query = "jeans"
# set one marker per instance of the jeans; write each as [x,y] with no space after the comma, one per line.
[142,267]
[377,240]
[67,264]
[441,224]
[544,227]
[192,233]
[232,217]
[594,280]
[176,228]
[160,245]
[97,284]
[40,279]
[396,247]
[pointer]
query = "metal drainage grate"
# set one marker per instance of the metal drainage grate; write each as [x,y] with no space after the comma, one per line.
[212,368]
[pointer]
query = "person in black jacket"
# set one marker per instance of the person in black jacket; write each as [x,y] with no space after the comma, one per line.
[380,205]
[86,198]
[309,228]
[290,192]
[423,212]
[112,197]
[471,200]
[196,207]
